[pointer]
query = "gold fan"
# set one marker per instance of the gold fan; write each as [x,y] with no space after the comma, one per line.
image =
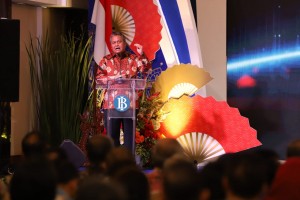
[123,22]
[200,146]
[183,79]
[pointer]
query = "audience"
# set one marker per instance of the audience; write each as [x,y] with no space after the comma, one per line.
[67,180]
[287,179]
[293,149]
[134,182]
[180,179]
[245,177]
[94,188]
[4,195]
[210,180]
[271,160]
[119,158]
[55,154]
[161,151]
[33,144]
[112,173]
[97,148]
[286,183]
[34,179]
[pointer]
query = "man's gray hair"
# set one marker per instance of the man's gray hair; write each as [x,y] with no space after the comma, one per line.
[115,33]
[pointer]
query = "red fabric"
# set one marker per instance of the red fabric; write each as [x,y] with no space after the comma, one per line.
[286,185]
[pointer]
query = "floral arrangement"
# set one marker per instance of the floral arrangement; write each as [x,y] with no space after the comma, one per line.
[147,126]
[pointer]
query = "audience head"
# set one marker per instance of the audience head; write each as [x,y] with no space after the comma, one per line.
[94,188]
[56,154]
[34,179]
[119,158]
[67,177]
[210,181]
[134,181]
[271,160]
[65,171]
[245,176]
[164,149]
[33,144]
[293,149]
[97,147]
[180,179]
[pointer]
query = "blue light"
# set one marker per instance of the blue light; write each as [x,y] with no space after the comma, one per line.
[255,61]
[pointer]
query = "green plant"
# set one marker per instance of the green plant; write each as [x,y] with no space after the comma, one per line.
[58,79]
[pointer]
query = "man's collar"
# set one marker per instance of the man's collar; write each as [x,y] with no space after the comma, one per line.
[121,55]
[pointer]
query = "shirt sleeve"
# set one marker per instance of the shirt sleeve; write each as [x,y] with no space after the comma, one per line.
[101,70]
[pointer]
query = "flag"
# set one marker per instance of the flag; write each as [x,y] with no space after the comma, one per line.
[166,29]
[101,18]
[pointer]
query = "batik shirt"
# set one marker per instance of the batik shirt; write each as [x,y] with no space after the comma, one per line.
[114,67]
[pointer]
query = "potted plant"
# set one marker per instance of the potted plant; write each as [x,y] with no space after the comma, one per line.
[59,85]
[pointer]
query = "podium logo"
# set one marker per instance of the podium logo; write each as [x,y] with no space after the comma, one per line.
[121,103]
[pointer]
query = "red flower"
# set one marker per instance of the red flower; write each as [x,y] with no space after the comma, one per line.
[139,138]
[148,133]
[149,126]
[146,136]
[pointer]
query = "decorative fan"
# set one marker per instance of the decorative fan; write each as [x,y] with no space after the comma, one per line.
[200,146]
[183,79]
[136,24]
[214,118]
[123,22]
[182,89]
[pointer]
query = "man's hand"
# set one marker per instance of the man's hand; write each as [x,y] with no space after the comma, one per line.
[139,48]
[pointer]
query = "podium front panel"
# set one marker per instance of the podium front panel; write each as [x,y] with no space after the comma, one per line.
[122,97]
[113,113]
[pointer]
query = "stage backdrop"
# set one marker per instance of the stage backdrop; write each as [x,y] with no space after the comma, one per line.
[263,67]
[166,29]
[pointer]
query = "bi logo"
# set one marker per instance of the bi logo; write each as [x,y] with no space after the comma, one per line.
[121,103]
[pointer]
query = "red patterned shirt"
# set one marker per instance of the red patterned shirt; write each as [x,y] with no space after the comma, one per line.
[126,65]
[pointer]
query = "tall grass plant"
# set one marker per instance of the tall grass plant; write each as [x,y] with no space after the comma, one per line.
[59,85]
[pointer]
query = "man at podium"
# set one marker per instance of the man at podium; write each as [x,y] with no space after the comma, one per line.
[115,67]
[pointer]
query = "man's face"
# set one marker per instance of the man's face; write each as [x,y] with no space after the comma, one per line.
[117,44]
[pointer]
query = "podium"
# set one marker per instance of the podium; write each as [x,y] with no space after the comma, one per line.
[121,97]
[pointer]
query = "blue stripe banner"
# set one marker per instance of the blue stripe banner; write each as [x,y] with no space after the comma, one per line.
[174,22]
